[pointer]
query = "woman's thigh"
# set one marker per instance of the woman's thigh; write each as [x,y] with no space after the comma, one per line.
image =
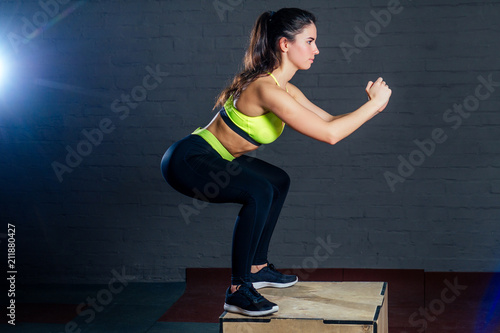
[276,176]
[193,168]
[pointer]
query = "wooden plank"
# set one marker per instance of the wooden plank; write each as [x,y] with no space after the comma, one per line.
[294,326]
[343,307]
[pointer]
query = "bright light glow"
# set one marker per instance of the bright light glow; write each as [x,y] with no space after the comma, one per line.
[4,72]
[2,69]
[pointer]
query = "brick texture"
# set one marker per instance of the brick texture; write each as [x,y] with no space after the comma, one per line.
[91,102]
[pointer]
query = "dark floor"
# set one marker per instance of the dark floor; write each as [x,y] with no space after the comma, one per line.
[135,309]
[418,302]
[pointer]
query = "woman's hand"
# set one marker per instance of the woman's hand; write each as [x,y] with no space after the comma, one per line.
[379,92]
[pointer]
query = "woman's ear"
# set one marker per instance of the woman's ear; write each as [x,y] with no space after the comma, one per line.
[284,44]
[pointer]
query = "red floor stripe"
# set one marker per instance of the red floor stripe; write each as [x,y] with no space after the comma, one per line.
[410,295]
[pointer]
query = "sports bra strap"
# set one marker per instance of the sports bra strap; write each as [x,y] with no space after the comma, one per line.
[276,80]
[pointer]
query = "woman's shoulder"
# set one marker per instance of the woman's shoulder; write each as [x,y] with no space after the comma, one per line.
[261,85]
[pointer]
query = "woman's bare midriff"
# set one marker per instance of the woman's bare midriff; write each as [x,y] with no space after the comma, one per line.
[235,144]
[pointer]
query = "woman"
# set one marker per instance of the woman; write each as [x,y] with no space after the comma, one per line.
[255,109]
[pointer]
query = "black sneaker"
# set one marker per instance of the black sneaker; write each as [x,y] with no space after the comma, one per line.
[247,301]
[270,277]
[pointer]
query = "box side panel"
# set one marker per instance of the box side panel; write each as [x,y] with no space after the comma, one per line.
[382,322]
[294,326]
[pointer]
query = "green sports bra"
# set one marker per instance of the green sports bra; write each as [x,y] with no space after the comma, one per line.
[258,130]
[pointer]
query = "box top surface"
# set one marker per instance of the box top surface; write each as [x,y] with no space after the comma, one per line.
[327,301]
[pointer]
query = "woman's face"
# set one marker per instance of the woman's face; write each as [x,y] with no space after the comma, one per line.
[303,49]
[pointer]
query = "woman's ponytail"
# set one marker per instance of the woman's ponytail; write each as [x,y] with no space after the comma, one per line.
[263,54]
[259,53]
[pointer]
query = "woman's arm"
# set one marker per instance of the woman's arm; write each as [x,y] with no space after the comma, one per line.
[305,102]
[317,123]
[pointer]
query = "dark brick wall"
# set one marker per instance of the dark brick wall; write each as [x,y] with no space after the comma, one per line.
[92,100]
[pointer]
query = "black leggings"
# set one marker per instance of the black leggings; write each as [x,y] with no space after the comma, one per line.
[194,168]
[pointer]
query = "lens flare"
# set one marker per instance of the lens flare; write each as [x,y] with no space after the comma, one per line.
[5,63]
[56,19]
[488,316]
[2,69]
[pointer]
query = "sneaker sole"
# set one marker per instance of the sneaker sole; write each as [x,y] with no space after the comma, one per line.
[259,285]
[237,309]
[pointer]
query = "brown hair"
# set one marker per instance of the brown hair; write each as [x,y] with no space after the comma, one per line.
[263,54]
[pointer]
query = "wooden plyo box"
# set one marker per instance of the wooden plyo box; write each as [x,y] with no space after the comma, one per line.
[318,307]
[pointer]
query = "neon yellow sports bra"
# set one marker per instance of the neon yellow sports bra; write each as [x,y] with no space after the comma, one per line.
[258,130]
